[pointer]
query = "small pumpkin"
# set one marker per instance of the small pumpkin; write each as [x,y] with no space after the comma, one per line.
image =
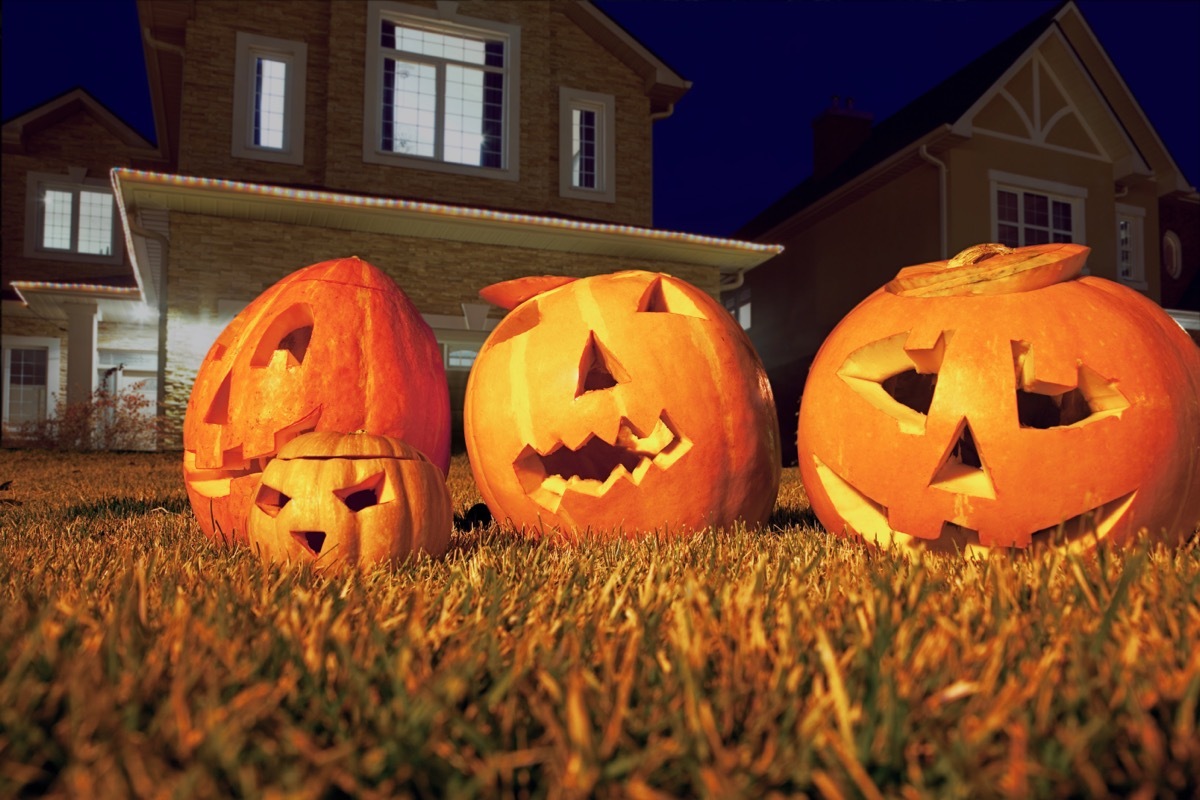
[336,346]
[349,500]
[627,402]
[1001,400]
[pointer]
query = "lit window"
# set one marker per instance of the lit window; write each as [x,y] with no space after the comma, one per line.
[587,145]
[441,90]
[1028,211]
[460,359]
[1131,267]
[268,112]
[72,218]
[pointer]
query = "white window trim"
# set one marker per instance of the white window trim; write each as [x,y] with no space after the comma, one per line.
[295,55]
[1174,264]
[35,184]
[1076,194]
[443,16]
[606,151]
[53,367]
[1137,217]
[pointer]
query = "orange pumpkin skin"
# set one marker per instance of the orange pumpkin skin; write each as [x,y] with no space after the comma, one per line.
[620,403]
[336,346]
[990,459]
[349,501]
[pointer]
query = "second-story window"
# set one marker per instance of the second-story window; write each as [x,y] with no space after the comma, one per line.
[441,90]
[71,217]
[586,145]
[268,99]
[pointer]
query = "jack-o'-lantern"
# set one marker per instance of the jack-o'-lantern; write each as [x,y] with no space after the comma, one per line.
[336,346]
[619,403]
[1000,400]
[349,500]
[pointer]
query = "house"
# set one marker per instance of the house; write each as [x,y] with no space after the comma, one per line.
[451,144]
[1037,140]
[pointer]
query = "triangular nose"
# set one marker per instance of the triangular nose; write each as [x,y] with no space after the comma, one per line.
[598,368]
[962,471]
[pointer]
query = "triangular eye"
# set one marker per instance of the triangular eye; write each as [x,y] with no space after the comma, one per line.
[598,368]
[367,493]
[271,500]
[665,297]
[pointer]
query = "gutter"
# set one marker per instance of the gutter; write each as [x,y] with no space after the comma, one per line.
[943,206]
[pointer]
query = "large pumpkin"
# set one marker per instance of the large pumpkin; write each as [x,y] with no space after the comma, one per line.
[620,403]
[336,346]
[1001,400]
[349,500]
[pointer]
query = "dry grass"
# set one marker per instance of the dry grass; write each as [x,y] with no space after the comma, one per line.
[137,659]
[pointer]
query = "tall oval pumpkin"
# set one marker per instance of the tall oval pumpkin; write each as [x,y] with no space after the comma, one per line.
[336,346]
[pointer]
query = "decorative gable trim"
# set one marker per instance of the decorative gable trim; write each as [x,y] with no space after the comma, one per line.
[50,113]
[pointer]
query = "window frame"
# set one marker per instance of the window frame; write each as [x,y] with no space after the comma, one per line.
[1136,217]
[294,54]
[37,183]
[604,105]
[738,303]
[441,19]
[1076,196]
[53,348]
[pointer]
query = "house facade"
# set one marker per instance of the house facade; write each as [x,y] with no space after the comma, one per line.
[450,144]
[1038,140]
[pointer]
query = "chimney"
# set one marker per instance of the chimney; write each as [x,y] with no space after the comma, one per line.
[837,132]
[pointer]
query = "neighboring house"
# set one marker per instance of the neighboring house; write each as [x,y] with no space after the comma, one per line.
[66,273]
[1037,140]
[451,144]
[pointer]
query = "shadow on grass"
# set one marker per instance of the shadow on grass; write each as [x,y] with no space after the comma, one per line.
[788,516]
[129,507]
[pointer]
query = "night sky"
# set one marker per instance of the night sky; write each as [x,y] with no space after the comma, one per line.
[761,71]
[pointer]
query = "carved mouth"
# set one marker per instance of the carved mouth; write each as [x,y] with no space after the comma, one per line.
[870,519]
[598,463]
[215,482]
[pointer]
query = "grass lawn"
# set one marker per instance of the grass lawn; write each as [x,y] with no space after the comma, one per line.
[139,659]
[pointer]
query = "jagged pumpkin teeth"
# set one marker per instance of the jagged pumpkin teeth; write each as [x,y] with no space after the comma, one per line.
[574,418]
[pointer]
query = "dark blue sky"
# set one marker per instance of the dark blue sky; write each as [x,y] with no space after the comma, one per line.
[762,70]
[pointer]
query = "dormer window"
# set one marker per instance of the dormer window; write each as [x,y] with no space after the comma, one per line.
[268,99]
[441,91]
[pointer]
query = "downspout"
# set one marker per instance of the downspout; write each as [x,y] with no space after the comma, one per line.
[165,244]
[739,278]
[943,207]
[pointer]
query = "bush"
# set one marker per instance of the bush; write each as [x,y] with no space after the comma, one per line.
[105,421]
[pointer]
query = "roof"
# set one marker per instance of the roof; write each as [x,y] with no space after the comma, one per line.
[940,107]
[138,189]
[55,110]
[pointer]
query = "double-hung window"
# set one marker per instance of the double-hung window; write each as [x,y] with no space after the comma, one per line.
[441,91]
[268,99]
[72,218]
[586,145]
[1028,211]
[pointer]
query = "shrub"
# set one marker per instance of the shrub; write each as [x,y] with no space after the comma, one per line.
[107,420]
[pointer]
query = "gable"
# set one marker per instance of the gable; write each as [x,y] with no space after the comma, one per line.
[1047,98]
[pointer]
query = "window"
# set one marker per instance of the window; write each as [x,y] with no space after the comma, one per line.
[1029,211]
[460,358]
[441,91]
[1172,255]
[268,99]
[737,303]
[587,145]
[72,218]
[31,378]
[1131,266]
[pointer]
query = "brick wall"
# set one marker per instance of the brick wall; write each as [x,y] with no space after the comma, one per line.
[554,52]
[214,259]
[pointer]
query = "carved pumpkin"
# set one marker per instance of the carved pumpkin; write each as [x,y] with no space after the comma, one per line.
[999,400]
[349,500]
[622,402]
[332,347]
